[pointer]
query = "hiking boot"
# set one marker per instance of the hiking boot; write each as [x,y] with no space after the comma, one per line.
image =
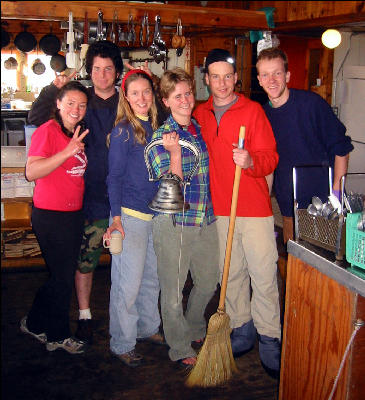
[131,358]
[84,330]
[41,337]
[157,338]
[269,350]
[71,345]
[243,338]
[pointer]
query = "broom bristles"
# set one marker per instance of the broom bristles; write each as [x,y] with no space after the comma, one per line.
[215,363]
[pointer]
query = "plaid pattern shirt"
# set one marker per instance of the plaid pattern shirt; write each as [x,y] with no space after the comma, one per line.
[197,194]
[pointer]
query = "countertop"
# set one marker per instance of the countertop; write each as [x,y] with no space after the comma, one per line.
[325,262]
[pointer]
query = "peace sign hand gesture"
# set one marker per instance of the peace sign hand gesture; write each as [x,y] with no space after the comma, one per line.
[61,80]
[76,143]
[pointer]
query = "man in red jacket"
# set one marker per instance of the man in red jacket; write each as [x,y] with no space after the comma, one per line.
[254,253]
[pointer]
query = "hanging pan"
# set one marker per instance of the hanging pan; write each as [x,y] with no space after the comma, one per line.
[58,63]
[50,44]
[5,38]
[25,41]
[38,67]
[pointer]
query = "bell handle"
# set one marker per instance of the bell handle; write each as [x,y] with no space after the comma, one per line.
[183,143]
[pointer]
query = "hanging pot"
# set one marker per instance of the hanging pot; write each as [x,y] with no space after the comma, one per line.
[25,41]
[58,63]
[11,63]
[5,38]
[38,67]
[50,44]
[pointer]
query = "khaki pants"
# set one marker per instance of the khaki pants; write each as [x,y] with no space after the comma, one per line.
[199,255]
[253,266]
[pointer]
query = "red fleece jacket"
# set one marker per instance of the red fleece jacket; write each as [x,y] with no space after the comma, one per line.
[253,198]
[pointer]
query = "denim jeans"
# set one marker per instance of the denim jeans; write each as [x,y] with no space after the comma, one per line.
[199,254]
[134,287]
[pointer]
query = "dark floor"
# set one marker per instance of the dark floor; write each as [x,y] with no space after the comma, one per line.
[29,371]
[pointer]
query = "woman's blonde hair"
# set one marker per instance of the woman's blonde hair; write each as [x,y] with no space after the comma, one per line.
[171,78]
[125,112]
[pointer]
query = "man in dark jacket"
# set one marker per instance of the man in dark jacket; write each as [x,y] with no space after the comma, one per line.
[307,133]
[104,64]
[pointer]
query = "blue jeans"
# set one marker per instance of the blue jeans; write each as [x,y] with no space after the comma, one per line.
[134,287]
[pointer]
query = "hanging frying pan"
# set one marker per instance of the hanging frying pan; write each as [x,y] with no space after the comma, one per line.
[25,41]
[50,44]
[58,63]
[11,63]
[5,38]
[38,67]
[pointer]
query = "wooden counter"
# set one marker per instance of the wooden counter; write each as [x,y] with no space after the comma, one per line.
[323,302]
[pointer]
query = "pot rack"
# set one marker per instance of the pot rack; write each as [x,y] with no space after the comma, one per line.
[196,20]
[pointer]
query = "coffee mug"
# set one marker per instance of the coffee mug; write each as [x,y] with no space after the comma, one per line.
[115,243]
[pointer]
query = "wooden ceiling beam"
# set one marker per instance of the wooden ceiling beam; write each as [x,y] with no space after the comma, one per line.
[323,22]
[191,17]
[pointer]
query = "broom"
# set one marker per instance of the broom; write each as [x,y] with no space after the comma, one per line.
[215,363]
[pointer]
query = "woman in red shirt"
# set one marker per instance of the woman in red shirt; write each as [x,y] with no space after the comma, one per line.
[57,162]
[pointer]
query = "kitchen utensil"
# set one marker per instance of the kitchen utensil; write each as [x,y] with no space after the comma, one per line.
[176,39]
[317,202]
[72,59]
[312,210]
[147,29]
[38,67]
[11,63]
[327,209]
[112,36]
[158,47]
[115,243]
[5,38]
[317,229]
[141,32]
[25,41]
[122,36]
[58,63]
[50,44]
[100,32]
[131,30]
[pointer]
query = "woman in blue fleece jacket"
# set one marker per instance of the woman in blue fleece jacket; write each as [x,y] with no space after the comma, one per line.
[135,287]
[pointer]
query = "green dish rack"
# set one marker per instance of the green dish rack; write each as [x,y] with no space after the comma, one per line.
[355,245]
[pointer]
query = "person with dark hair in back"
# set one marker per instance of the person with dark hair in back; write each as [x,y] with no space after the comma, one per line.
[307,133]
[57,163]
[104,64]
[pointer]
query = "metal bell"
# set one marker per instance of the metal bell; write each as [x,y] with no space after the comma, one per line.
[169,198]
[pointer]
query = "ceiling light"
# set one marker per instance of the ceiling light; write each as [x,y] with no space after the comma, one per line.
[331,38]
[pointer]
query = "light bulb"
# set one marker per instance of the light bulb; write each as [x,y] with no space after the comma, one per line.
[331,38]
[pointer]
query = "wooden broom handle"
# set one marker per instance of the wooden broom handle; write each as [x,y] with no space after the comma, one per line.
[232,220]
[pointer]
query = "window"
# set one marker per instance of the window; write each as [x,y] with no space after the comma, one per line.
[34,83]
[8,76]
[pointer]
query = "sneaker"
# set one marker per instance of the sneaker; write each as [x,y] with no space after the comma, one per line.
[243,338]
[131,358]
[269,350]
[71,345]
[41,337]
[84,330]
